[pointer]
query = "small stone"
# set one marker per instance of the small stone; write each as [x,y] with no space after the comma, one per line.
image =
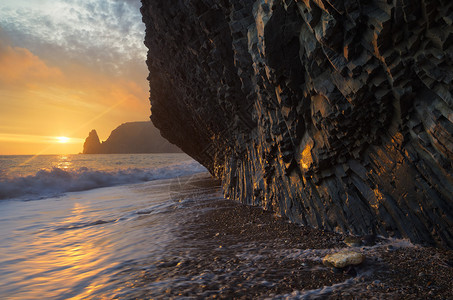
[343,259]
[353,241]
[449,262]
[369,240]
[168,264]
[350,270]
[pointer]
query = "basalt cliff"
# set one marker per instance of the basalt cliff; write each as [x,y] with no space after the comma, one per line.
[336,114]
[130,137]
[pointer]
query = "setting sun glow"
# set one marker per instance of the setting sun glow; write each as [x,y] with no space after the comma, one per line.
[62,139]
[61,84]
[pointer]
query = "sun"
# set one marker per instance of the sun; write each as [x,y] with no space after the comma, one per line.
[62,139]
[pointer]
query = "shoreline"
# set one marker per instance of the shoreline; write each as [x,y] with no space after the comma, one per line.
[179,237]
[222,228]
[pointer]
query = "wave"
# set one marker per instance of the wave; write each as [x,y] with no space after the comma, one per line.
[83,225]
[56,182]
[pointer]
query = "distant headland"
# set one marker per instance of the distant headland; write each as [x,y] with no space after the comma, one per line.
[131,137]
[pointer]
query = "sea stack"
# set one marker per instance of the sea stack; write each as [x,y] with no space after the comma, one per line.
[336,114]
[92,143]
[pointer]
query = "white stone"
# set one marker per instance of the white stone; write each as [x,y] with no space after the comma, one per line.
[343,258]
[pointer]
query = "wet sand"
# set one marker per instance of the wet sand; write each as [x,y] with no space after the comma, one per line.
[227,250]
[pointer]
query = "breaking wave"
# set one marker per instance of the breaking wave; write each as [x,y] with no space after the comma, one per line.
[56,181]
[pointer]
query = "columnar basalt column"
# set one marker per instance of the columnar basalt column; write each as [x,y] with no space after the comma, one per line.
[336,114]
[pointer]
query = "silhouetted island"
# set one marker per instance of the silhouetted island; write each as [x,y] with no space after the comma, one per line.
[131,137]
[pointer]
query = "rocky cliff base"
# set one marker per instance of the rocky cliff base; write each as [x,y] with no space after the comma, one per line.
[337,114]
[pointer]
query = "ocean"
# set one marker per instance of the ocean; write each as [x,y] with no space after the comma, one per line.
[156,226]
[33,177]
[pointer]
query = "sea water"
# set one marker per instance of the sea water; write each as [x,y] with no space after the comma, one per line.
[151,226]
[70,224]
[32,177]
[141,226]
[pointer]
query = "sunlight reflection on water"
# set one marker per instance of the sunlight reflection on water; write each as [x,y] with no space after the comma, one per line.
[68,247]
[64,162]
[53,261]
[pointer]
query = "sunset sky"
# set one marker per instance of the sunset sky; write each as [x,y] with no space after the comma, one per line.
[66,67]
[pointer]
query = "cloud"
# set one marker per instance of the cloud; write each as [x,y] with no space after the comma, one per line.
[20,65]
[103,34]
[68,66]
[73,98]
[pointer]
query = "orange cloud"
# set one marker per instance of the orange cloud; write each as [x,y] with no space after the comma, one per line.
[19,65]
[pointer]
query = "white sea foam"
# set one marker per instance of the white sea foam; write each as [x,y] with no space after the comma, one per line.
[56,181]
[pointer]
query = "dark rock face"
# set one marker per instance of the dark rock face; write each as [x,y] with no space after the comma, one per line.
[131,137]
[337,114]
[92,143]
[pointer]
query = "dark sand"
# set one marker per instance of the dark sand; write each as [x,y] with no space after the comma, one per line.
[227,250]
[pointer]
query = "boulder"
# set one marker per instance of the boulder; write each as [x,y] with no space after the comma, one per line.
[343,259]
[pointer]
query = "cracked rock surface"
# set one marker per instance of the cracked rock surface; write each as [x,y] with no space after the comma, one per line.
[336,114]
